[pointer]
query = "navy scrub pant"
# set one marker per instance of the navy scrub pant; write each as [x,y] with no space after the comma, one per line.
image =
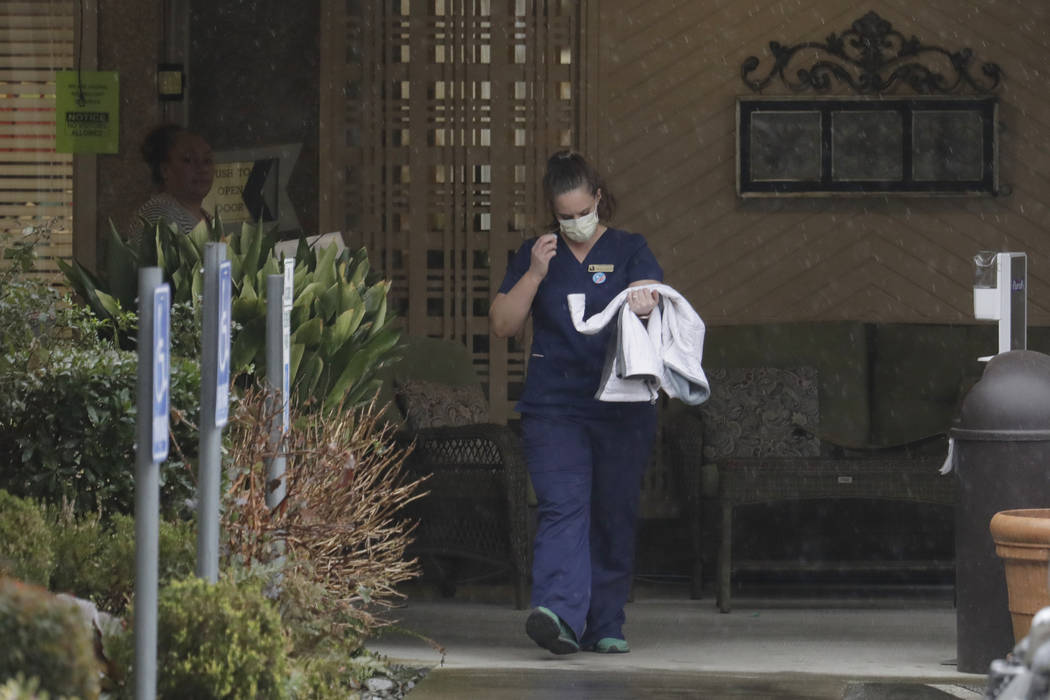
[587,474]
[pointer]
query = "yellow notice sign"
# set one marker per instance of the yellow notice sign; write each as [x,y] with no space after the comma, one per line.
[87,111]
[226,192]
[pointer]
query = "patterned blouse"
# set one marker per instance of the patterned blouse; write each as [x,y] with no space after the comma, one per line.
[164,206]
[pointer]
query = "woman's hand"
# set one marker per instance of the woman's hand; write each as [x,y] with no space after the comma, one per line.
[643,301]
[509,311]
[545,248]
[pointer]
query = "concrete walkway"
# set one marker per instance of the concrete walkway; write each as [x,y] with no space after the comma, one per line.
[768,647]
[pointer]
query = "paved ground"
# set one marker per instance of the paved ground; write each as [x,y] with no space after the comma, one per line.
[770,646]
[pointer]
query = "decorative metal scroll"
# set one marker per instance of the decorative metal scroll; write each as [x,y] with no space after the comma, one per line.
[872,58]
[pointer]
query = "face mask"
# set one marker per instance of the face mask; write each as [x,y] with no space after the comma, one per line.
[581,229]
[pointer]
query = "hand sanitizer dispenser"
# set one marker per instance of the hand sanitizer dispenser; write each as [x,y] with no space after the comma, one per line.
[1000,293]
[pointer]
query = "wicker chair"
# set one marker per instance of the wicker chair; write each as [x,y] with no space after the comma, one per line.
[476,505]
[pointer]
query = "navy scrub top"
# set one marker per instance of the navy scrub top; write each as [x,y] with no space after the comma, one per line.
[565,366]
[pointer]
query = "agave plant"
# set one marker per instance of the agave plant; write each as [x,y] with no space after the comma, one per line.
[341,331]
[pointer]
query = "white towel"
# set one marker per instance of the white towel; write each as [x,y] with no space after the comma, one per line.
[667,354]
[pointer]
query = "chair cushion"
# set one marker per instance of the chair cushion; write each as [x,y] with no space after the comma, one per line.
[435,405]
[423,359]
[837,349]
[754,412]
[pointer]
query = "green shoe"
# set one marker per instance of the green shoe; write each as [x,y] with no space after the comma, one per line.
[610,645]
[549,631]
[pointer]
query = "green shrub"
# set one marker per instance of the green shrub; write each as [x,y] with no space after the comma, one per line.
[318,622]
[220,640]
[321,678]
[26,542]
[67,403]
[341,329]
[334,676]
[80,544]
[325,633]
[35,317]
[21,688]
[67,428]
[33,313]
[46,638]
[97,561]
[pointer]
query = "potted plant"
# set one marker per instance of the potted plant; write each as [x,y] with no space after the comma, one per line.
[1022,541]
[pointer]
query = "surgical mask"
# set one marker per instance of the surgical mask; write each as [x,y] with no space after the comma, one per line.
[581,229]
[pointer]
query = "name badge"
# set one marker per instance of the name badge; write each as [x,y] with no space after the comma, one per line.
[600,268]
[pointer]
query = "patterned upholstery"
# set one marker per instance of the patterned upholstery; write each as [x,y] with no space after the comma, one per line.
[434,405]
[757,412]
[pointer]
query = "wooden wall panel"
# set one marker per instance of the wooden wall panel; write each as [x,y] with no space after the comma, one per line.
[437,121]
[664,96]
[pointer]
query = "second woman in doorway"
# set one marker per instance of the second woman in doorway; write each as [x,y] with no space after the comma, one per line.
[182,169]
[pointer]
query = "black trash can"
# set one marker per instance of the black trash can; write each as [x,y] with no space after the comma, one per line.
[1002,461]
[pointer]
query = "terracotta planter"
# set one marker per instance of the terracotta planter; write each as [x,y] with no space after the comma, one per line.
[1022,541]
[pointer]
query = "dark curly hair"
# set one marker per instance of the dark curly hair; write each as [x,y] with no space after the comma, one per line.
[156,148]
[567,170]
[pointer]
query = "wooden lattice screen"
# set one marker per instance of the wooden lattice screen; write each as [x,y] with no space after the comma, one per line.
[436,121]
[36,184]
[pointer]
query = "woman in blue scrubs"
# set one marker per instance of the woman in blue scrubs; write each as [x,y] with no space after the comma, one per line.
[585,457]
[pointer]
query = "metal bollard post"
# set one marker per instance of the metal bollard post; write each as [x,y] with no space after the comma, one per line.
[154,366]
[278,312]
[215,381]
